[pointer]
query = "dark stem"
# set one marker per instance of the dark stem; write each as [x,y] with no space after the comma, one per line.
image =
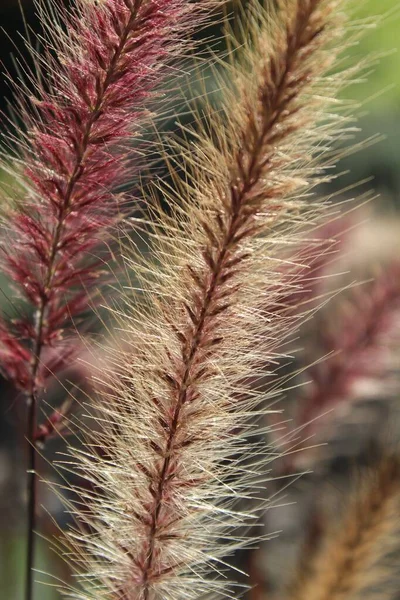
[32,494]
[40,319]
[31,431]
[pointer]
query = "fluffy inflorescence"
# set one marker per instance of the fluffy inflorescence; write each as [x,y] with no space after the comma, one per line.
[163,514]
[107,62]
[354,557]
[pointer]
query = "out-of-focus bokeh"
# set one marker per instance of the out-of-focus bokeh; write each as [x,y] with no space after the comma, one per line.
[361,418]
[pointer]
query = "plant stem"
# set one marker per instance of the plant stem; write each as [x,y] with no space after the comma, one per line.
[31,430]
[32,493]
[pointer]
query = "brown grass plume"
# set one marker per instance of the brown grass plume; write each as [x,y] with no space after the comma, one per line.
[352,558]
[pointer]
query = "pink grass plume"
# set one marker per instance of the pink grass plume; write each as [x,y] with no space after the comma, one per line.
[73,156]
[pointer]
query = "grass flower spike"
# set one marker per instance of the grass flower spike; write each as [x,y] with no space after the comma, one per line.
[104,62]
[75,152]
[164,512]
[354,558]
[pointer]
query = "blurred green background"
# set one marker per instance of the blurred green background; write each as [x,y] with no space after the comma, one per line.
[379,97]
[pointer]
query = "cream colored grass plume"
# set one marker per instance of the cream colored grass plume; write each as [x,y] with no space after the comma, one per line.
[163,513]
[354,560]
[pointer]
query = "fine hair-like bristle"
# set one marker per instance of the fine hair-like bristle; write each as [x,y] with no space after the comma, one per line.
[162,515]
[352,555]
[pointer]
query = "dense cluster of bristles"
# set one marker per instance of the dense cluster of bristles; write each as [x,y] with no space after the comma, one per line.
[163,513]
[103,63]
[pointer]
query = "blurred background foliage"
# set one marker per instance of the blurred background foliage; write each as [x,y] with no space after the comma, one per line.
[379,97]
